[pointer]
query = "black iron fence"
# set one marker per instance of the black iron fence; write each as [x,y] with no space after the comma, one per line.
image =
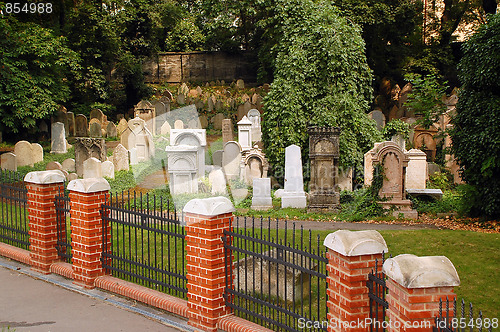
[454,320]
[14,222]
[62,203]
[143,243]
[377,291]
[276,275]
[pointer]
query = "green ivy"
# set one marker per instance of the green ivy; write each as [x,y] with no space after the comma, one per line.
[396,127]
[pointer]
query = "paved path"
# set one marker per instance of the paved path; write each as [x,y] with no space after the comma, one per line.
[53,304]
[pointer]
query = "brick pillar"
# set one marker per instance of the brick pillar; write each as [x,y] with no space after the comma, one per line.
[351,256]
[415,286]
[86,198]
[42,187]
[206,220]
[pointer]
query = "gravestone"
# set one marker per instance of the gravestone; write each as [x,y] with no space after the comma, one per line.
[324,156]
[122,126]
[85,148]
[111,130]
[133,156]
[217,121]
[97,114]
[254,165]
[378,117]
[95,129]
[231,160]
[227,131]
[140,138]
[423,139]
[245,133]
[147,112]
[165,129]
[416,172]
[120,158]
[81,126]
[160,114]
[178,124]
[293,195]
[60,116]
[8,161]
[218,182]
[194,124]
[261,199]
[345,179]
[24,153]
[69,165]
[54,165]
[37,152]
[254,117]
[108,169]
[58,138]
[244,108]
[72,176]
[203,121]
[394,162]
[217,158]
[240,84]
[92,168]
[182,168]
[192,137]
[43,127]
[70,119]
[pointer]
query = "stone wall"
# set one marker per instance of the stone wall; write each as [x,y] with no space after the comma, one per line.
[174,67]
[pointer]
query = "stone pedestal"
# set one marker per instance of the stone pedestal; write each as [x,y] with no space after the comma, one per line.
[324,156]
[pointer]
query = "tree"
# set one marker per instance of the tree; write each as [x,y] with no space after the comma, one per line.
[34,66]
[476,132]
[321,78]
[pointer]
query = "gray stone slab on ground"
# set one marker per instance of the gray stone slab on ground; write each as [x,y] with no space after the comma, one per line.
[433,193]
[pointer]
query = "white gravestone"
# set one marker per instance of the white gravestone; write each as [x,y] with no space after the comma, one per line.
[37,152]
[69,165]
[254,117]
[261,199]
[192,137]
[120,158]
[24,153]
[231,159]
[293,195]
[58,139]
[416,172]
[108,169]
[218,182]
[182,168]
[245,133]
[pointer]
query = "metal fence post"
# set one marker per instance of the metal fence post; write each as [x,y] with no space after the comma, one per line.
[42,187]
[86,198]
[206,220]
[351,257]
[416,284]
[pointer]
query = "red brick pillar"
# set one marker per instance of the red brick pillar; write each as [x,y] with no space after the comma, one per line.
[351,256]
[42,187]
[86,197]
[415,286]
[206,220]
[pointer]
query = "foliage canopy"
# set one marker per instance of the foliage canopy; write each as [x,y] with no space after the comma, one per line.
[476,132]
[321,78]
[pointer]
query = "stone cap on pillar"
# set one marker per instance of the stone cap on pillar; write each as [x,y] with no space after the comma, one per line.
[45,177]
[411,271]
[357,243]
[89,185]
[209,206]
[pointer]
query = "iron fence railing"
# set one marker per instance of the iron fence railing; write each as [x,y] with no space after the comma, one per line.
[275,277]
[377,291]
[14,222]
[453,320]
[144,244]
[63,246]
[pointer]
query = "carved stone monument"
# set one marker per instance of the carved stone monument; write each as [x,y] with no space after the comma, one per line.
[324,156]
[86,148]
[227,131]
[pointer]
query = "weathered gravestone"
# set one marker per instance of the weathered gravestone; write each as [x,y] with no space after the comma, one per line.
[271,278]
[108,169]
[182,169]
[111,130]
[378,117]
[97,114]
[138,137]
[227,131]
[231,160]
[58,138]
[37,152]
[70,120]
[95,128]
[192,137]
[217,158]
[92,168]
[261,199]
[254,165]
[324,156]
[416,172]
[178,124]
[8,161]
[146,111]
[394,162]
[293,195]
[254,117]
[69,165]
[218,182]
[165,129]
[122,126]
[120,158]
[54,165]
[24,153]
[86,148]
[81,126]
[217,121]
